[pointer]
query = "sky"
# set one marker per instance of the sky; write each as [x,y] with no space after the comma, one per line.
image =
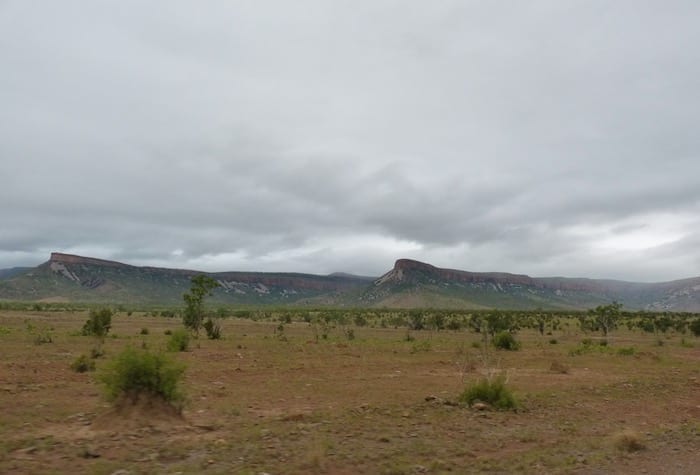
[547,137]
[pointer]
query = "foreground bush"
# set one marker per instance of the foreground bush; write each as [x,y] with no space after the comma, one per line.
[137,373]
[491,391]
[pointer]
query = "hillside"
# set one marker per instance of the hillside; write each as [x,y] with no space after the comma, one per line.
[416,284]
[409,284]
[68,277]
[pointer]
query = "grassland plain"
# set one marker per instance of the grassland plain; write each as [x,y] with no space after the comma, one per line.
[265,400]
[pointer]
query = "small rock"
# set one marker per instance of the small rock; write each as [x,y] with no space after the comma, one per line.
[480,406]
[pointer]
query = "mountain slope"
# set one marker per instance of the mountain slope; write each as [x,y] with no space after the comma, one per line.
[412,283]
[77,278]
[409,284]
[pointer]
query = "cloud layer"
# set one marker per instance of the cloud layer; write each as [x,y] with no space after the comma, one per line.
[546,137]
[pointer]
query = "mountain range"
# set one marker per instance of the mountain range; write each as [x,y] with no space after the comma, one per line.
[409,284]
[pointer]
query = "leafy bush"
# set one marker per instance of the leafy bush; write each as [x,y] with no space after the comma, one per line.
[134,373]
[179,340]
[98,323]
[505,341]
[82,364]
[491,391]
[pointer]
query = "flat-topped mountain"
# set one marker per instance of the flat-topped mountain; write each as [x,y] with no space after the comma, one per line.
[410,283]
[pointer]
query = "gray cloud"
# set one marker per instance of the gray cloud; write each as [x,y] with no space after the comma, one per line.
[548,138]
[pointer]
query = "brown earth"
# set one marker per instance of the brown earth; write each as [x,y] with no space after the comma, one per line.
[262,403]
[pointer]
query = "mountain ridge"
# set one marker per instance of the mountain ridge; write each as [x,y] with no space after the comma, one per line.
[410,283]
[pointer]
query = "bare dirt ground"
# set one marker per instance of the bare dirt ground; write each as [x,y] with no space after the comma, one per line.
[375,404]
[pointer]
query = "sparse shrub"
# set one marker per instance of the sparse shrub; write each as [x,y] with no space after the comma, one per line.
[628,441]
[83,364]
[349,333]
[553,341]
[279,332]
[168,332]
[491,391]
[135,373]
[476,344]
[97,352]
[179,340]
[40,333]
[98,323]
[603,343]
[360,320]
[420,346]
[505,341]
[628,351]
[686,344]
[144,331]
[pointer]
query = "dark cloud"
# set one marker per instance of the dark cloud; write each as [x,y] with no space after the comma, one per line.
[549,138]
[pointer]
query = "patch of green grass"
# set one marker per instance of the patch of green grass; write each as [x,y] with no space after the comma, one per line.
[492,391]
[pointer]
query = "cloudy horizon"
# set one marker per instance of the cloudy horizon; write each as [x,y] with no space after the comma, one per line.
[548,138]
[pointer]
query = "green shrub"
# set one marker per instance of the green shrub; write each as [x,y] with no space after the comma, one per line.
[553,341]
[628,351]
[98,323]
[135,373]
[505,341]
[168,331]
[179,340]
[490,391]
[144,331]
[82,364]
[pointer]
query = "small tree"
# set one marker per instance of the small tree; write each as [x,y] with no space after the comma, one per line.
[605,317]
[202,286]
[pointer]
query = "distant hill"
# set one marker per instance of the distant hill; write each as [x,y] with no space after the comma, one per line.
[66,277]
[409,284]
[416,284]
[9,273]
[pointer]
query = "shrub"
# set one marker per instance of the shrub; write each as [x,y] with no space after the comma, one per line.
[628,351]
[695,327]
[213,329]
[553,341]
[144,331]
[98,323]
[168,332]
[82,364]
[505,341]
[179,340]
[135,373]
[490,391]
[628,441]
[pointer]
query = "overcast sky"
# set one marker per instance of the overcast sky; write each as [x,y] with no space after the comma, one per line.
[549,138]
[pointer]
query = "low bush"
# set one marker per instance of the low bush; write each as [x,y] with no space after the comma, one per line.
[82,364]
[179,340]
[136,373]
[627,351]
[491,391]
[505,341]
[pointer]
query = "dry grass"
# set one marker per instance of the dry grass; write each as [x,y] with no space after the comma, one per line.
[628,441]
